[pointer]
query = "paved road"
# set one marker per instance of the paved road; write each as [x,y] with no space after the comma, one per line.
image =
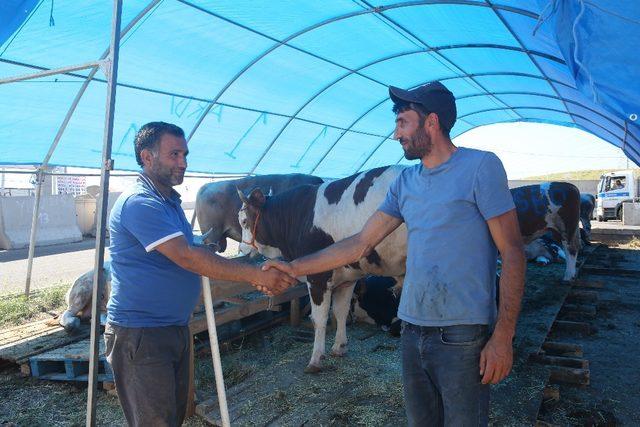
[58,264]
[52,265]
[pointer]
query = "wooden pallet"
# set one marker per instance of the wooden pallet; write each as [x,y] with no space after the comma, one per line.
[19,343]
[69,363]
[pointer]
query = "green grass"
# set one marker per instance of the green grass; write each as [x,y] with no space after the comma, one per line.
[573,175]
[17,309]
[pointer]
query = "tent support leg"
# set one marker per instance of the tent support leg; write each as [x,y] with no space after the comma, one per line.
[34,231]
[103,202]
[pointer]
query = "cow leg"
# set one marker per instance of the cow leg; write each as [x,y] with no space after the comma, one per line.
[571,251]
[341,304]
[319,316]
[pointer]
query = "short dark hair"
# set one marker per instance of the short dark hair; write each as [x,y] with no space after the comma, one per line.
[150,134]
[402,106]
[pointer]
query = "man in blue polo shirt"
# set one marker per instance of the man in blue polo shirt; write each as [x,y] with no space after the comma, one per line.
[155,283]
[459,213]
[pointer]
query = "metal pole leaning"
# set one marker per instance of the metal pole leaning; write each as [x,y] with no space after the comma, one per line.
[103,202]
[215,352]
[34,231]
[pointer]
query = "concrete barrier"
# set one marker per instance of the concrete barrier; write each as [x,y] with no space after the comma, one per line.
[631,214]
[87,212]
[56,221]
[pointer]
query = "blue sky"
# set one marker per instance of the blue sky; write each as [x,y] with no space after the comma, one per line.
[528,149]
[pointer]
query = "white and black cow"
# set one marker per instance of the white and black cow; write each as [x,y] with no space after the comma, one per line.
[376,300]
[544,250]
[217,203]
[308,218]
[79,296]
[555,207]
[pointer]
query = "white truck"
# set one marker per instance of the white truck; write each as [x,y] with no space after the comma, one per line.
[614,189]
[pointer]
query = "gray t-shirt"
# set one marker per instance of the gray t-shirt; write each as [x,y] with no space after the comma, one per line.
[451,256]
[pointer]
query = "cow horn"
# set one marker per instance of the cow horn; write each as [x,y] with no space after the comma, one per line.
[243,198]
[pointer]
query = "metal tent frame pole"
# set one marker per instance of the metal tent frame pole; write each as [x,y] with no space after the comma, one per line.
[40,176]
[103,202]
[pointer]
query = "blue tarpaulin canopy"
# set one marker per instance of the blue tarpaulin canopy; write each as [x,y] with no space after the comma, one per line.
[301,86]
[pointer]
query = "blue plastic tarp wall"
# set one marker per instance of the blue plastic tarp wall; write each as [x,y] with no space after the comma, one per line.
[301,86]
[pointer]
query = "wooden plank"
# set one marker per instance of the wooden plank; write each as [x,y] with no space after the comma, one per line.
[551,393]
[35,338]
[562,349]
[594,284]
[573,327]
[578,311]
[199,322]
[573,376]
[582,296]
[603,271]
[568,362]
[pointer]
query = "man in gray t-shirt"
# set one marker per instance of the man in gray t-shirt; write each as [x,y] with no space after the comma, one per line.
[459,214]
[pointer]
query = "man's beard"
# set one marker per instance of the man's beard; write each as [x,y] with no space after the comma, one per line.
[165,175]
[418,146]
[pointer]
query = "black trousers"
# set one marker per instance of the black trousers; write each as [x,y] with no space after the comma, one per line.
[151,372]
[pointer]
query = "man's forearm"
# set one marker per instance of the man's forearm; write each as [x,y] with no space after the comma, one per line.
[511,290]
[337,255]
[204,262]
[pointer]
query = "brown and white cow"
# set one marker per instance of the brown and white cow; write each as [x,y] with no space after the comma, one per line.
[555,207]
[217,203]
[308,218]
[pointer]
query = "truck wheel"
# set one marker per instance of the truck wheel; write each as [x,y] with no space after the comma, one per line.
[602,219]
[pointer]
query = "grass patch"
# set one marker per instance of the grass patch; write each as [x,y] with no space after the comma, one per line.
[577,175]
[17,309]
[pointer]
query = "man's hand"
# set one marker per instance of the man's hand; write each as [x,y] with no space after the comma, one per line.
[275,264]
[273,281]
[496,359]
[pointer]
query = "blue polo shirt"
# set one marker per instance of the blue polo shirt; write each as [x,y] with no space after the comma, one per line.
[451,256]
[147,288]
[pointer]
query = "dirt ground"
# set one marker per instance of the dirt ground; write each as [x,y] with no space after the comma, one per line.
[266,384]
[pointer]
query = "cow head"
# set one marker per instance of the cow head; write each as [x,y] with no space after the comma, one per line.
[249,218]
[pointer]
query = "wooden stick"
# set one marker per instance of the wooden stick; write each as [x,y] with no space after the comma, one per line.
[215,352]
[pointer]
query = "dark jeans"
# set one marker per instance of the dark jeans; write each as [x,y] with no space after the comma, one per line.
[441,375]
[151,372]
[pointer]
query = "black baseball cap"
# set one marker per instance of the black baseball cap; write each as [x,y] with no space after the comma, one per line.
[434,97]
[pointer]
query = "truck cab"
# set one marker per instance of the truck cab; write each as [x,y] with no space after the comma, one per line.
[614,189]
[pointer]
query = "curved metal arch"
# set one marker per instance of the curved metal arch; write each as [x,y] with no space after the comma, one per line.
[531,120]
[559,98]
[442,79]
[514,121]
[380,60]
[321,24]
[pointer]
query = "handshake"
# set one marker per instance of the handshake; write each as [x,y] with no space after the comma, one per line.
[274,277]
